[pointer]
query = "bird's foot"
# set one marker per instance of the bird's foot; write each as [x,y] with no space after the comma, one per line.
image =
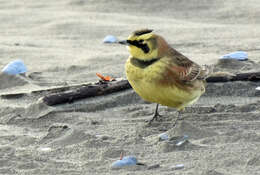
[156,117]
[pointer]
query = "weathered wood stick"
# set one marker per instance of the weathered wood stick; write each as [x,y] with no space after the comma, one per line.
[255,76]
[110,87]
[42,91]
[225,77]
[69,94]
[86,91]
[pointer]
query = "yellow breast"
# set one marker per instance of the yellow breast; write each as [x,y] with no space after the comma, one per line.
[146,83]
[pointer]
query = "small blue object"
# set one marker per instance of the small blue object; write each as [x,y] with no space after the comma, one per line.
[239,55]
[15,67]
[182,140]
[110,39]
[126,161]
[163,136]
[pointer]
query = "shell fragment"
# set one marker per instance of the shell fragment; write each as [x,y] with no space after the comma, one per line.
[239,55]
[110,39]
[125,162]
[15,67]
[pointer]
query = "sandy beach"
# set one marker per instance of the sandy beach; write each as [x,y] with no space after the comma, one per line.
[61,43]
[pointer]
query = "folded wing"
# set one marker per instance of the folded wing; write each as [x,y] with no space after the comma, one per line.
[187,69]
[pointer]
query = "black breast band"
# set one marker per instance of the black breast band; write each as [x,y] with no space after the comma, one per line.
[143,64]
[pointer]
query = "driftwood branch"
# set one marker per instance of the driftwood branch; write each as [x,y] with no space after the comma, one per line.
[225,77]
[42,91]
[70,94]
[110,87]
[101,88]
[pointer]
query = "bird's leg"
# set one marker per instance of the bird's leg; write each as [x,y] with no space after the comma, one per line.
[156,114]
[178,117]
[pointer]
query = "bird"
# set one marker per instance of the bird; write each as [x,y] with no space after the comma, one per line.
[160,74]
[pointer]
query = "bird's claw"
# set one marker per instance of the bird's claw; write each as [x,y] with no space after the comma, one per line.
[156,117]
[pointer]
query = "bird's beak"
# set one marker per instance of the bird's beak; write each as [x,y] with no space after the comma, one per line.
[124,42]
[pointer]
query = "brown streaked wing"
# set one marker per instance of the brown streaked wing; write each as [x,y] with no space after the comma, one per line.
[187,69]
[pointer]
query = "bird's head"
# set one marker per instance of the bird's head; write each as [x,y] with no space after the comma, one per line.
[143,44]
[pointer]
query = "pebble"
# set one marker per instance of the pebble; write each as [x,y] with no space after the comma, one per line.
[163,136]
[15,67]
[239,55]
[177,167]
[125,162]
[182,140]
[110,39]
[45,149]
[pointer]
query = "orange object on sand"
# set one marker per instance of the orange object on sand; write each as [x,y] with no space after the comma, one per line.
[104,78]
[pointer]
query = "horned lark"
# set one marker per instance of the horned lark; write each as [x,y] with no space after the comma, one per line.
[160,74]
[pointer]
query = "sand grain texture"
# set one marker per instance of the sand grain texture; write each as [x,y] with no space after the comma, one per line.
[61,44]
